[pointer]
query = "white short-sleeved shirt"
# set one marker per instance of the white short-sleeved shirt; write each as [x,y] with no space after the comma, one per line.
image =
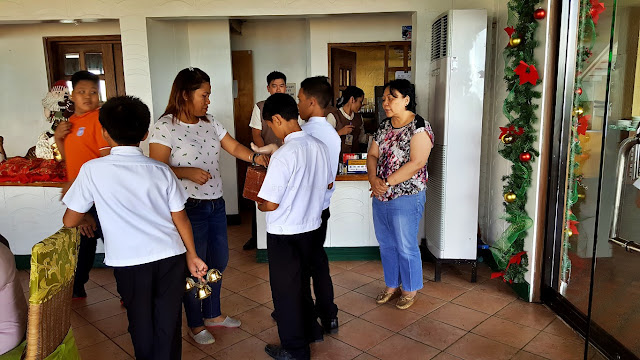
[193,145]
[296,180]
[134,196]
[256,118]
[333,122]
[319,128]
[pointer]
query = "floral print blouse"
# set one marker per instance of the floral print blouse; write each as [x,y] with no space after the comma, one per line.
[395,150]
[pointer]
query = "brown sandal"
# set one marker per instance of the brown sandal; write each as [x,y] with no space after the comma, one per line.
[385,296]
[405,302]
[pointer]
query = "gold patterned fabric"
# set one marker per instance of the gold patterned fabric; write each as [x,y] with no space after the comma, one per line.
[53,264]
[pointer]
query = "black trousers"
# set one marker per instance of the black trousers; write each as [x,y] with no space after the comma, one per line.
[322,284]
[86,255]
[152,294]
[289,272]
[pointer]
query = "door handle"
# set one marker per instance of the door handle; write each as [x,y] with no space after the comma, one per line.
[621,170]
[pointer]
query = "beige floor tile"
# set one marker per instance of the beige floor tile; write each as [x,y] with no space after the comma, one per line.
[474,347]
[523,355]
[533,315]
[235,304]
[371,269]
[425,304]
[337,291]
[256,320]
[482,302]
[555,348]
[113,326]
[332,349]
[88,335]
[261,272]
[442,290]
[101,310]
[94,295]
[124,342]
[459,279]
[260,293]
[362,334]
[433,333]
[270,336]
[77,320]
[445,356]
[251,348]
[398,346]
[225,337]
[559,328]
[506,332]
[191,352]
[458,316]
[106,350]
[334,269]
[102,276]
[496,287]
[355,303]
[365,356]
[348,265]
[389,317]
[351,280]
[112,288]
[240,282]
[371,289]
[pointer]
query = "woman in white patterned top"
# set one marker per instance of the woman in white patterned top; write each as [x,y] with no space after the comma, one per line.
[190,141]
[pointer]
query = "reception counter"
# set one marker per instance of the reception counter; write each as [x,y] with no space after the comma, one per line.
[350,232]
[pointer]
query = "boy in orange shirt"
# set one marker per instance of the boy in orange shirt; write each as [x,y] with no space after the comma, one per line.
[80,140]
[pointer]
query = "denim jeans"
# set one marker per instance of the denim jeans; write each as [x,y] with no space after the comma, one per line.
[396,225]
[209,222]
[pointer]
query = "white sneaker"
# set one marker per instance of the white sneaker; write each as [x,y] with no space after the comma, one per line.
[228,322]
[204,337]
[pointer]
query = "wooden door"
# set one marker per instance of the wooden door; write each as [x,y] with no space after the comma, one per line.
[343,70]
[243,102]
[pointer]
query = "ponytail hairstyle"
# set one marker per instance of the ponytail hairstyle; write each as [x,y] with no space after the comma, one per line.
[348,93]
[184,85]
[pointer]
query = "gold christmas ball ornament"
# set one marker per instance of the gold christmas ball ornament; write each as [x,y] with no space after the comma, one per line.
[204,292]
[582,196]
[515,41]
[569,232]
[578,111]
[508,139]
[213,276]
[510,197]
[190,284]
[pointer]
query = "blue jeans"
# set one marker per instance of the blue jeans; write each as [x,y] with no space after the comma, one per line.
[209,222]
[396,225]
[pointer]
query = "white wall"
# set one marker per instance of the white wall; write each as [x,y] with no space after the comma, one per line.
[168,54]
[288,54]
[24,74]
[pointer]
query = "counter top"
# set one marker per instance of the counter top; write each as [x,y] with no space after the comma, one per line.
[352,177]
[35,184]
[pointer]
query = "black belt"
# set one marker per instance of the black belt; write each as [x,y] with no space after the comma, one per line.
[193,201]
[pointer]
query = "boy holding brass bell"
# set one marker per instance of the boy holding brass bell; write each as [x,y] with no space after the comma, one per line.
[146,230]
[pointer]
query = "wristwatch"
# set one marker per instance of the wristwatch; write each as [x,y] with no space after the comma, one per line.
[253,158]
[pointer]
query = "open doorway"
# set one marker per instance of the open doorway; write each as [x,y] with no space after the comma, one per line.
[369,65]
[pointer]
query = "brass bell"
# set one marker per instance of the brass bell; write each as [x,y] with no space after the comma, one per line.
[213,276]
[190,284]
[204,291]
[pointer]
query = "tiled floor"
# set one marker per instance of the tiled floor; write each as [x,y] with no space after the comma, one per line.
[452,319]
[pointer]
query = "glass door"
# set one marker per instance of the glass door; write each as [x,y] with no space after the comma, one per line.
[615,294]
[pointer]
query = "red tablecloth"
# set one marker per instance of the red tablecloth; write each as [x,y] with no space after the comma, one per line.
[27,171]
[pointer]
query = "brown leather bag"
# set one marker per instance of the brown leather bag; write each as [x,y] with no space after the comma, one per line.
[253,183]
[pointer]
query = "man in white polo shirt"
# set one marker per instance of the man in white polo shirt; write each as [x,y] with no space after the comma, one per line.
[313,98]
[146,229]
[293,192]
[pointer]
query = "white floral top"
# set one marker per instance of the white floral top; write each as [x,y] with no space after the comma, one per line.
[193,145]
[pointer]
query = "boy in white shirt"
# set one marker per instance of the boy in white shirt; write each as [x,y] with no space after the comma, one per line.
[146,231]
[293,192]
[314,97]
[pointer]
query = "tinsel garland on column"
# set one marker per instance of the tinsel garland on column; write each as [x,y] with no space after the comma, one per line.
[518,135]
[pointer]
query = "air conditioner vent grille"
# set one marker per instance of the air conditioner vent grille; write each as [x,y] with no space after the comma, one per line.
[439,33]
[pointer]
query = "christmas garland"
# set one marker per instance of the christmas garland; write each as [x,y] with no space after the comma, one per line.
[589,13]
[518,135]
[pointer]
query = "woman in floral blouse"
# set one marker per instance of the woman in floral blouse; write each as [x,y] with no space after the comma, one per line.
[397,167]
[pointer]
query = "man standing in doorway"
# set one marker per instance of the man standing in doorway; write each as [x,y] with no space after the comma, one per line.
[262,135]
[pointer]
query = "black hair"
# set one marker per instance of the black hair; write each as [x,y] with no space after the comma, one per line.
[84,75]
[275,75]
[348,93]
[405,88]
[318,87]
[126,119]
[280,104]
[186,83]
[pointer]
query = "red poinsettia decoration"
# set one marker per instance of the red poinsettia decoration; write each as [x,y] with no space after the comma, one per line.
[583,123]
[510,130]
[510,30]
[515,259]
[596,9]
[527,73]
[573,228]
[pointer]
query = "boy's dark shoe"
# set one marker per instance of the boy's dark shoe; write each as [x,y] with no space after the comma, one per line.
[250,244]
[79,293]
[277,352]
[330,326]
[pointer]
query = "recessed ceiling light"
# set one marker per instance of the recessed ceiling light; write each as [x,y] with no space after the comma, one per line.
[67,21]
